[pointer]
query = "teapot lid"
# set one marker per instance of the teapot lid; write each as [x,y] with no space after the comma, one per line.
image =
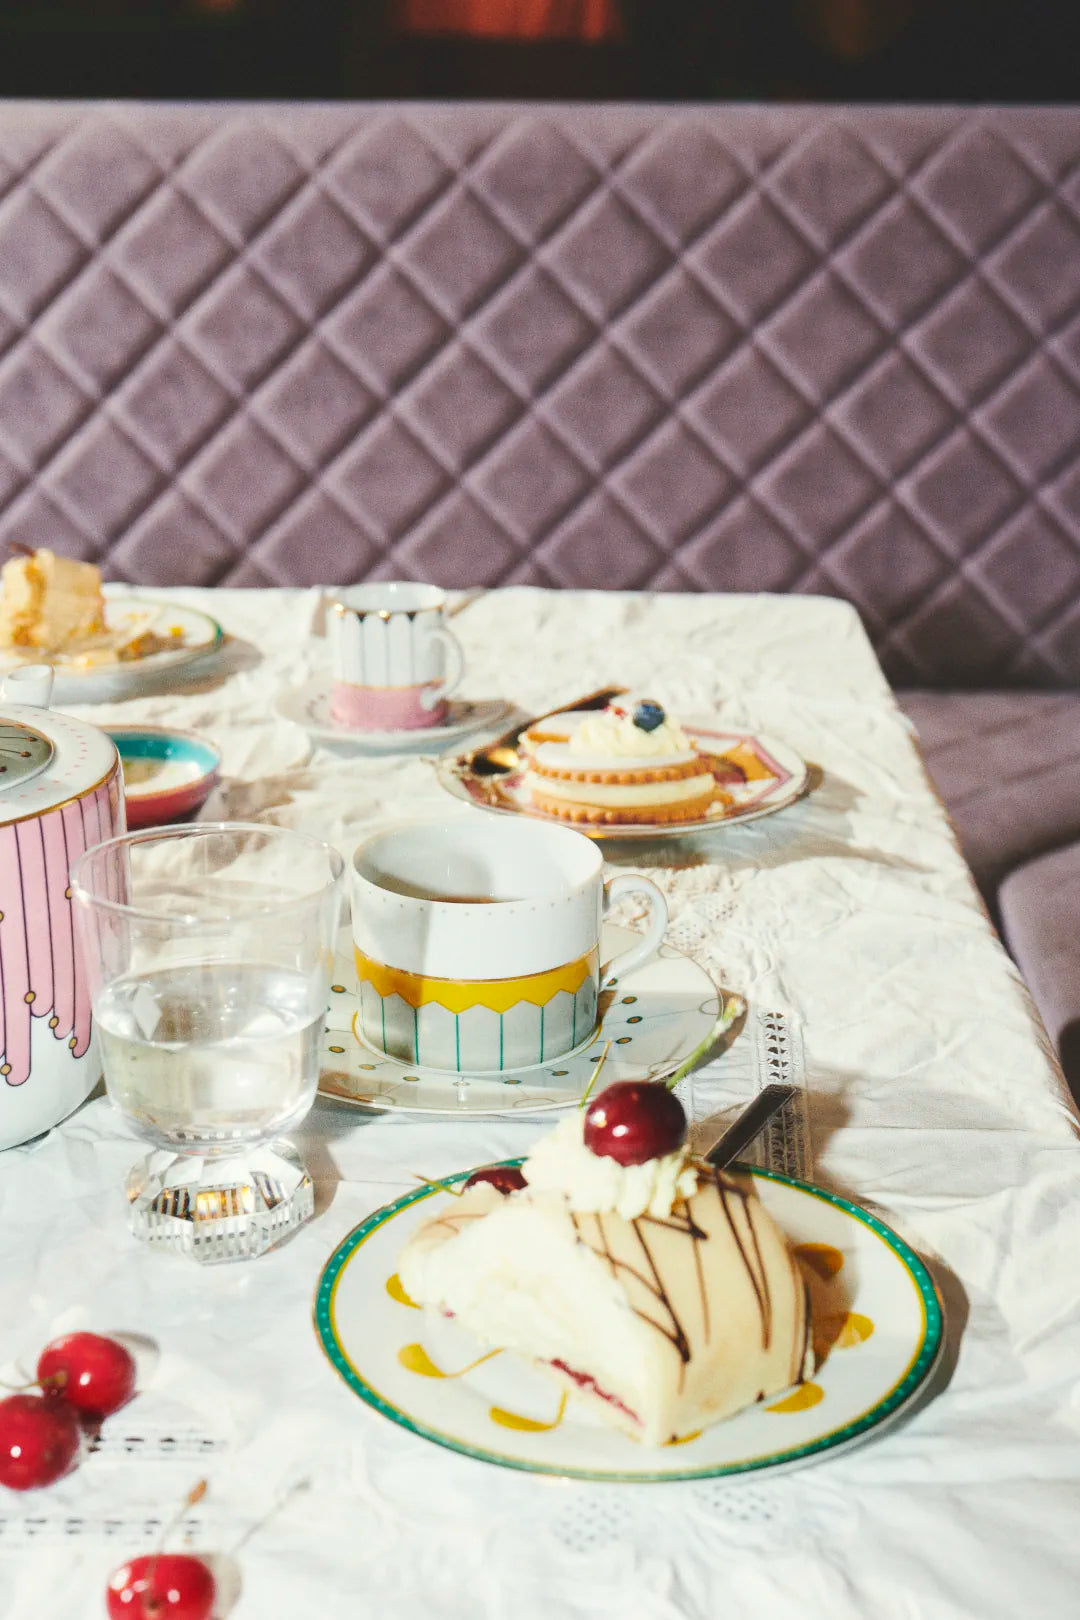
[50,759]
[24,752]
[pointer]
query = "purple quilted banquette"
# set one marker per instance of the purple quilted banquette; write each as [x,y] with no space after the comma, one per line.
[694,348]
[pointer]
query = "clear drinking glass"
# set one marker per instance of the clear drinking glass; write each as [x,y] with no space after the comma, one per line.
[208,952]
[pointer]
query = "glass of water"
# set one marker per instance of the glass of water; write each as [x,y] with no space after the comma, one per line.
[208,951]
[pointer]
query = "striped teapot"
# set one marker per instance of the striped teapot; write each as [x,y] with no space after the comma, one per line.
[61,790]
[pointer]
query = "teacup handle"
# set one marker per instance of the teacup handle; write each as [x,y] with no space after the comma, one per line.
[455,660]
[635,955]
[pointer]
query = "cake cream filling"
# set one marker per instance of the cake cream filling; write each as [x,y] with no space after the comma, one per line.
[519,1280]
[616,795]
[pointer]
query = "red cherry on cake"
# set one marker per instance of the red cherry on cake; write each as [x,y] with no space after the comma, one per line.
[39,1441]
[91,1372]
[505,1178]
[161,1586]
[633,1121]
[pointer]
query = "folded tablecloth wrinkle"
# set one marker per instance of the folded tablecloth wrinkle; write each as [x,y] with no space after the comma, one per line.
[933,1091]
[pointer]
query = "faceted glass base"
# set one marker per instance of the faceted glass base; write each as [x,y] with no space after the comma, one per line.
[218,1209]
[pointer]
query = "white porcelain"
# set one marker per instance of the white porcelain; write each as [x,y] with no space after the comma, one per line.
[881,1317]
[394,661]
[485,984]
[64,793]
[309,705]
[664,1017]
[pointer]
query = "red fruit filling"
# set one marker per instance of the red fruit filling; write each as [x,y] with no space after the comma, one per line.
[589,1384]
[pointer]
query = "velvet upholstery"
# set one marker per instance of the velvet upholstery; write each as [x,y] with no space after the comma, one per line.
[803,349]
[1040,912]
[1007,765]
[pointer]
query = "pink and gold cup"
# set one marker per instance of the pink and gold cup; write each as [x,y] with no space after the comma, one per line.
[394,661]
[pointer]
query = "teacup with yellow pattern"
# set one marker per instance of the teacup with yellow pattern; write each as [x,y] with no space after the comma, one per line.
[478,942]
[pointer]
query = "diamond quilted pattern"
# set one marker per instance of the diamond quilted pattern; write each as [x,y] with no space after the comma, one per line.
[749,348]
[604,406]
[830,182]
[388,479]
[978,187]
[315,403]
[171,404]
[184,248]
[244,330]
[753,257]
[40,404]
[386,175]
[38,254]
[1038,265]
[901,263]
[244,479]
[386,329]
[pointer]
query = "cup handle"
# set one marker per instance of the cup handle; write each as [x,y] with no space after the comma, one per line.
[644,951]
[455,661]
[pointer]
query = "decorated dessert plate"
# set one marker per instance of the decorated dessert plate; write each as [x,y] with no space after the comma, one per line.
[309,706]
[878,1335]
[167,774]
[755,776]
[658,1019]
[112,666]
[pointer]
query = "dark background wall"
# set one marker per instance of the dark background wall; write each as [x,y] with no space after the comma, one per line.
[815,50]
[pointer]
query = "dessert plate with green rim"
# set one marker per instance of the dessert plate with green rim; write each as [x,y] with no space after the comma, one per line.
[659,1019]
[878,1332]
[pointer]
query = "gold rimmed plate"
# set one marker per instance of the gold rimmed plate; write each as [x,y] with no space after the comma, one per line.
[756,776]
[879,1333]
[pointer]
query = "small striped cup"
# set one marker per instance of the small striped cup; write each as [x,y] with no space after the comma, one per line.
[394,661]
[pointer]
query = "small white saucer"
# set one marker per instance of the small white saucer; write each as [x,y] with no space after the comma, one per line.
[309,706]
[658,1018]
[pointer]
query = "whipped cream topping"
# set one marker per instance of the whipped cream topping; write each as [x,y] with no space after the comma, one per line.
[561,1163]
[615,735]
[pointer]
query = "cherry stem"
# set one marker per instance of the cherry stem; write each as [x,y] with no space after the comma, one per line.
[273,1510]
[152,1605]
[55,1380]
[443,1186]
[595,1075]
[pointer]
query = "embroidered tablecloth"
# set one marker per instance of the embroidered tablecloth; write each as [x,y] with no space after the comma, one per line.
[931,1094]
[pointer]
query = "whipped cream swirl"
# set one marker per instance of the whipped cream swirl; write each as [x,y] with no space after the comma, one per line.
[615,735]
[561,1163]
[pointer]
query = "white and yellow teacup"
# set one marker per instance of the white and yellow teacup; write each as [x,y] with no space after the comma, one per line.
[478,941]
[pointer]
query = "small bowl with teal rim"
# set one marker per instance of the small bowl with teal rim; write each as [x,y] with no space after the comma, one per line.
[168,775]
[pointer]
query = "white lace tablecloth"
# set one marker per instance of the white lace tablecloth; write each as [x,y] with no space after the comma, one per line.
[931,1093]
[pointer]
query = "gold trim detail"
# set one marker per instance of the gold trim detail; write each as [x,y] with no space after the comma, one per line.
[460,995]
[62,804]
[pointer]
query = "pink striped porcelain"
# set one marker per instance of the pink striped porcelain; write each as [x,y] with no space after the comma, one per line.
[58,803]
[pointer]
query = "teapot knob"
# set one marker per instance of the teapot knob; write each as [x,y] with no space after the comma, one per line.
[32,685]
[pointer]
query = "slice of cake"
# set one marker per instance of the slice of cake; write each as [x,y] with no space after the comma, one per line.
[655,1289]
[49,602]
[622,764]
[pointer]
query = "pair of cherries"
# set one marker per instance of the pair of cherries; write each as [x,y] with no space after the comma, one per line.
[631,1121]
[83,1378]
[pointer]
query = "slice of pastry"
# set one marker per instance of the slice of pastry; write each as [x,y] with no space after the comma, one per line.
[627,763]
[49,602]
[655,1289]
